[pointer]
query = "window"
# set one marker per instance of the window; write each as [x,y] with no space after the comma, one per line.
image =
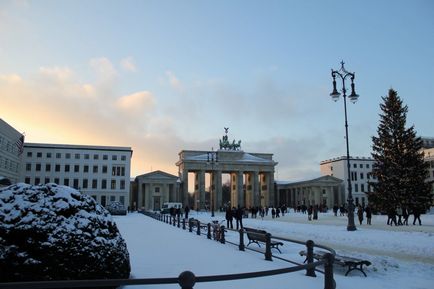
[103,201]
[29,154]
[56,180]
[66,168]
[122,185]
[58,155]
[123,158]
[75,184]
[95,169]
[113,185]
[104,169]
[77,156]
[76,168]
[94,183]
[66,182]
[157,189]
[354,165]
[118,171]
[86,156]
[105,157]
[38,167]
[356,188]
[85,184]
[37,181]
[104,184]
[361,176]
[95,157]
[39,155]
[47,180]
[361,166]
[48,167]
[68,155]
[122,200]
[27,180]
[28,167]
[362,187]
[367,166]
[123,171]
[48,155]
[112,199]
[331,168]
[57,168]
[94,197]
[86,169]
[114,157]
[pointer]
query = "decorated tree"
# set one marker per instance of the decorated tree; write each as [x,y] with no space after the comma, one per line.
[399,169]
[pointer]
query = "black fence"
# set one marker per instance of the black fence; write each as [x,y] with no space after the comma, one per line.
[187,279]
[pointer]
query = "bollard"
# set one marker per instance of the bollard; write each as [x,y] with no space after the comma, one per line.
[208,235]
[241,245]
[186,280]
[222,235]
[198,228]
[174,221]
[183,224]
[268,247]
[190,225]
[329,282]
[179,221]
[309,246]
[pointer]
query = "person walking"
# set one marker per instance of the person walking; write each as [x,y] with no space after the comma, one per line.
[416,214]
[315,212]
[360,214]
[229,218]
[309,213]
[399,214]
[239,217]
[368,214]
[391,216]
[186,211]
[405,215]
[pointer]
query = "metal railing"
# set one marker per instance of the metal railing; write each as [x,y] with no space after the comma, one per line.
[187,279]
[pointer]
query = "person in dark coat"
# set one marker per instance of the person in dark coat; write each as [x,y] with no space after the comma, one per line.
[315,212]
[239,217]
[416,214]
[391,216]
[405,215]
[360,214]
[229,218]
[309,213]
[186,211]
[368,211]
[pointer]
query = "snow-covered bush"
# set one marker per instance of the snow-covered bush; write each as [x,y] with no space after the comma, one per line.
[52,232]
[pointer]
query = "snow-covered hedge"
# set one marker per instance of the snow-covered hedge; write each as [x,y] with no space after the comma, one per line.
[52,232]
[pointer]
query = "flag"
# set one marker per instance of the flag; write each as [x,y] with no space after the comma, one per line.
[20,145]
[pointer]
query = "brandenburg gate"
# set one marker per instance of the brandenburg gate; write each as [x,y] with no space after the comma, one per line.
[251,175]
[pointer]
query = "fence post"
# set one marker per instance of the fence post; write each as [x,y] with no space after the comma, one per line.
[268,247]
[208,235]
[329,282]
[179,221]
[186,280]
[222,235]
[183,224]
[198,228]
[190,225]
[174,220]
[241,245]
[309,257]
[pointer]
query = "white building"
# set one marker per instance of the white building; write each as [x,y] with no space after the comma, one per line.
[11,142]
[429,158]
[100,171]
[361,174]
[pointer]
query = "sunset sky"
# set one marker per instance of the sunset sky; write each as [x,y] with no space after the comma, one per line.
[163,76]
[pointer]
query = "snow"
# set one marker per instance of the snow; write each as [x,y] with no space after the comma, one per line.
[402,257]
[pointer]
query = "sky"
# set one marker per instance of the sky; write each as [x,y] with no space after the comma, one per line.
[165,76]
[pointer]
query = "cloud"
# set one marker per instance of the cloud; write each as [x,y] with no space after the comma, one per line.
[174,82]
[128,64]
[103,68]
[136,103]
[61,74]
[11,78]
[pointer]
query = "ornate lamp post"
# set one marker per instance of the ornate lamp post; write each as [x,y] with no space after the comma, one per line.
[343,75]
[212,159]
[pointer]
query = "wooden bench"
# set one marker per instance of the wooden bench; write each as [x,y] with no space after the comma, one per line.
[258,236]
[350,262]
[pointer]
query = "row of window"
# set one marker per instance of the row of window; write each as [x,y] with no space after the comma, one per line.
[115,171]
[9,165]
[362,176]
[80,183]
[355,166]
[6,145]
[77,156]
[103,200]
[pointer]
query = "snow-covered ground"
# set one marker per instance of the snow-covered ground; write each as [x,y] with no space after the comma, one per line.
[402,257]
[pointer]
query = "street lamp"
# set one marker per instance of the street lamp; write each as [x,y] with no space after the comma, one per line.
[212,158]
[343,74]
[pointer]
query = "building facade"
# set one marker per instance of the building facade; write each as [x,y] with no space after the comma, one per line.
[155,188]
[429,158]
[102,172]
[360,174]
[11,144]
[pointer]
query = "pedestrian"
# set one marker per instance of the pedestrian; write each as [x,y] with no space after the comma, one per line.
[360,214]
[229,218]
[315,212]
[405,215]
[186,211]
[277,212]
[399,214]
[273,213]
[416,214]
[309,213]
[368,214]
[335,210]
[239,217]
[391,216]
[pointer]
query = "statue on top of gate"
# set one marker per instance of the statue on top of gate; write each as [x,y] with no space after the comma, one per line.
[226,145]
